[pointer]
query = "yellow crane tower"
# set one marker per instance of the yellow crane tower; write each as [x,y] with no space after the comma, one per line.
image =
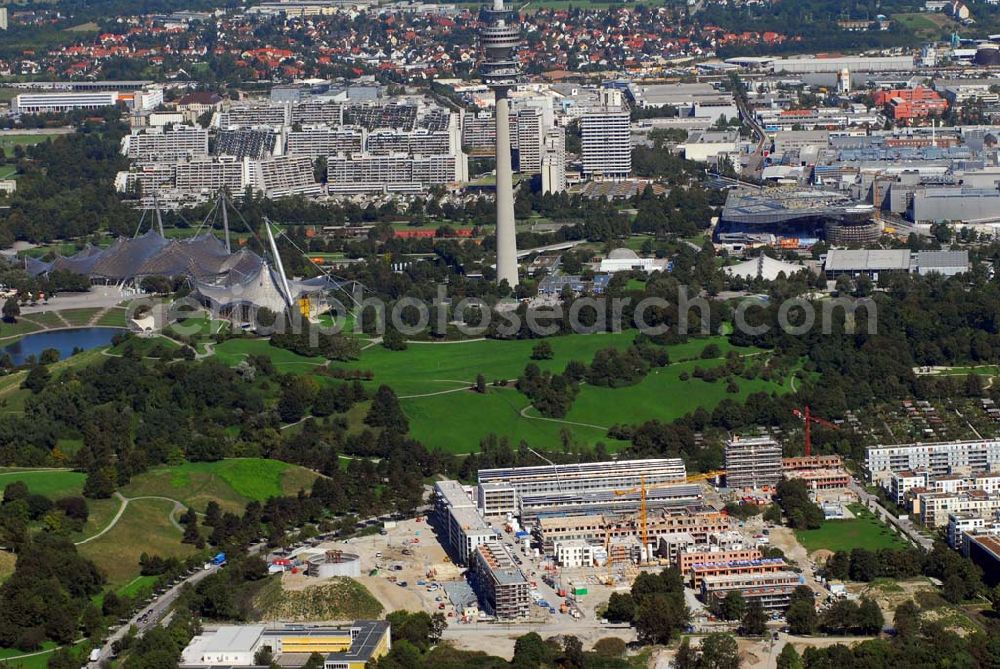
[643,489]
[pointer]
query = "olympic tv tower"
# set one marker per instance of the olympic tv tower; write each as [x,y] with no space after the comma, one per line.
[499,38]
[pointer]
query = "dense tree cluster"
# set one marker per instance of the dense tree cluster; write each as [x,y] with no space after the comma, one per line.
[655,606]
[47,594]
[792,495]
[961,578]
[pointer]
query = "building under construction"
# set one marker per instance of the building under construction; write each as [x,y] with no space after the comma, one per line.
[502,589]
[697,521]
[753,463]
[510,490]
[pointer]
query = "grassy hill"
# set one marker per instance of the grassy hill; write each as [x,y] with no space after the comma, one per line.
[232,483]
[145,527]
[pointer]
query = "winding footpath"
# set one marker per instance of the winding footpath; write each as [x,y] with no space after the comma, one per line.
[178,508]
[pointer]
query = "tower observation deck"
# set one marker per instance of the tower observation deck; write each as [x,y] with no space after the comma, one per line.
[499,37]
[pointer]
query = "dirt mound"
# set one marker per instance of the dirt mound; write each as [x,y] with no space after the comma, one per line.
[822,555]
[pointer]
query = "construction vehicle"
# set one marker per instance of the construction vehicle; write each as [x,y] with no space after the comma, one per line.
[807,417]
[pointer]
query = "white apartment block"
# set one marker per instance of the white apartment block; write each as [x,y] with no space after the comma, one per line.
[161,144]
[530,132]
[283,176]
[323,141]
[318,112]
[41,103]
[903,482]
[148,99]
[254,115]
[554,160]
[576,553]
[209,175]
[363,172]
[606,144]
[417,142]
[959,524]
[148,179]
[464,528]
[940,458]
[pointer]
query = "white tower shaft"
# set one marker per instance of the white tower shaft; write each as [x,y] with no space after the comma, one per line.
[506,236]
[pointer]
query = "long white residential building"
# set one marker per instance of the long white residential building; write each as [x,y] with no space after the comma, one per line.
[938,458]
[179,142]
[318,141]
[41,103]
[401,172]
[464,528]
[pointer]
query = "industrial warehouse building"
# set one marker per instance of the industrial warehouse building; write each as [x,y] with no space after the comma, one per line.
[343,647]
[874,263]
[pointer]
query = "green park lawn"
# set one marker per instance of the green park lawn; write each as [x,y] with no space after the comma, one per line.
[232,351]
[468,417]
[662,395]
[862,531]
[8,142]
[52,483]
[430,368]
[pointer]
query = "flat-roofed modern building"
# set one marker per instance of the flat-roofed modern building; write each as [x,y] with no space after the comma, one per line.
[938,458]
[348,646]
[464,528]
[533,506]
[502,589]
[698,521]
[871,263]
[753,462]
[587,487]
[985,552]
[41,103]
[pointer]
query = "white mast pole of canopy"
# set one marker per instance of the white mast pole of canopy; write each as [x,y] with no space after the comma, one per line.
[286,292]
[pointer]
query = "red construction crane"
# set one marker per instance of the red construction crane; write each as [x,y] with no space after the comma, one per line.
[809,419]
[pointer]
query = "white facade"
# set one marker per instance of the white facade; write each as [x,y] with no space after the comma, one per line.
[324,141]
[282,176]
[160,144]
[606,144]
[529,140]
[554,160]
[230,645]
[574,553]
[348,173]
[464,528]
[939,458]
[40,103]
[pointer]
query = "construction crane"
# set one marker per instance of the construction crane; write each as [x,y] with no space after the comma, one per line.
[705,476]
[807,417]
